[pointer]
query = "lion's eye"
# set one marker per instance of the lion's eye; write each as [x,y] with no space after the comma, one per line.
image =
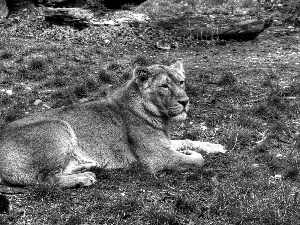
[181,83]
[164,86]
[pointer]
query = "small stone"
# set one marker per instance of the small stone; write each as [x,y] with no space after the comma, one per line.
[278,156]
[3,9]
[37,102]
[46,106]
[83,100]
[278,177]
[9,92]
[106,41]
[255,165]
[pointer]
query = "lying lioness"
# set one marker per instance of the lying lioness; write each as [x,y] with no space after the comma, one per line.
[59,146]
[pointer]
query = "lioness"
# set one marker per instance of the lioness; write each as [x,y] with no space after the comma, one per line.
[132,125]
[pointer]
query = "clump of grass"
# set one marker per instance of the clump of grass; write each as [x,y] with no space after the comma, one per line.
[87,85]
[16,112]
[74,220]
[6,55]
[114,66]
[5,100]
[90,83]
[63,97]
[275,101]
[292,173]
[262,203]
[218,2]
[292,90]
[25,73]
[297,142]
[156,216]
[273,163]
[4,220]
[57,81]
[267,82]
[59,72]
[192,90]
[245,121]
[278,128]
[81,91]
[235,139]
[141,60]
[22,72]
[266,112]
[127,75]
[191,135]
[127,206]
[185,205]
[45,192]
[247,3]
[37,63]
[247,171]
[261,148]
[227,79]
[104,76]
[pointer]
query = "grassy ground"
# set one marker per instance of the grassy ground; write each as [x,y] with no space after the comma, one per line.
[244,95]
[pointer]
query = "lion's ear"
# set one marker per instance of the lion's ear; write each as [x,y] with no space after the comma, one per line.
[178,66]
[141,74]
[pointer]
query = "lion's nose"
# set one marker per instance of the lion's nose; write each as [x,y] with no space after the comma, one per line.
[184,103]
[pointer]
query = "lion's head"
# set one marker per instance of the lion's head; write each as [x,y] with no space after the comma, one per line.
[162,90]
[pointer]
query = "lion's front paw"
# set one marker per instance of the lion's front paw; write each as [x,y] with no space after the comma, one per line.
[86,179]
[194,158]
[209,147]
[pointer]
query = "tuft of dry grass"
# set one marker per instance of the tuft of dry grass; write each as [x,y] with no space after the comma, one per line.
[104,76]
[6,55]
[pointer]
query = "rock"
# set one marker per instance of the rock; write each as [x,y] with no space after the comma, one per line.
[9,92]
[3,9]
[74,17]
[37,102]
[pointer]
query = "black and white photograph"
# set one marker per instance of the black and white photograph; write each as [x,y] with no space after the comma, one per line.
[149,112]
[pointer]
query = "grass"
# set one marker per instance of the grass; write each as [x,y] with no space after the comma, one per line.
[6,55]
[104,76]
[238,100]
[141,60]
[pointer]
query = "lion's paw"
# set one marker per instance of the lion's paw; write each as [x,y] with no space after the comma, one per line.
[194,158]
[209,147]
[86,179]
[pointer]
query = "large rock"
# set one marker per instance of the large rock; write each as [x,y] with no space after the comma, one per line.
[3,9]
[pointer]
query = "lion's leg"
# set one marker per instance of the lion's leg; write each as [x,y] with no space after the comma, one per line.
[75,167]
[198,146]
[74,180]
[186,160]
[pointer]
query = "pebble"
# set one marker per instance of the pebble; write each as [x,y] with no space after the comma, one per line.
[255,165]
[37,102]
[9,92]
[278,177]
